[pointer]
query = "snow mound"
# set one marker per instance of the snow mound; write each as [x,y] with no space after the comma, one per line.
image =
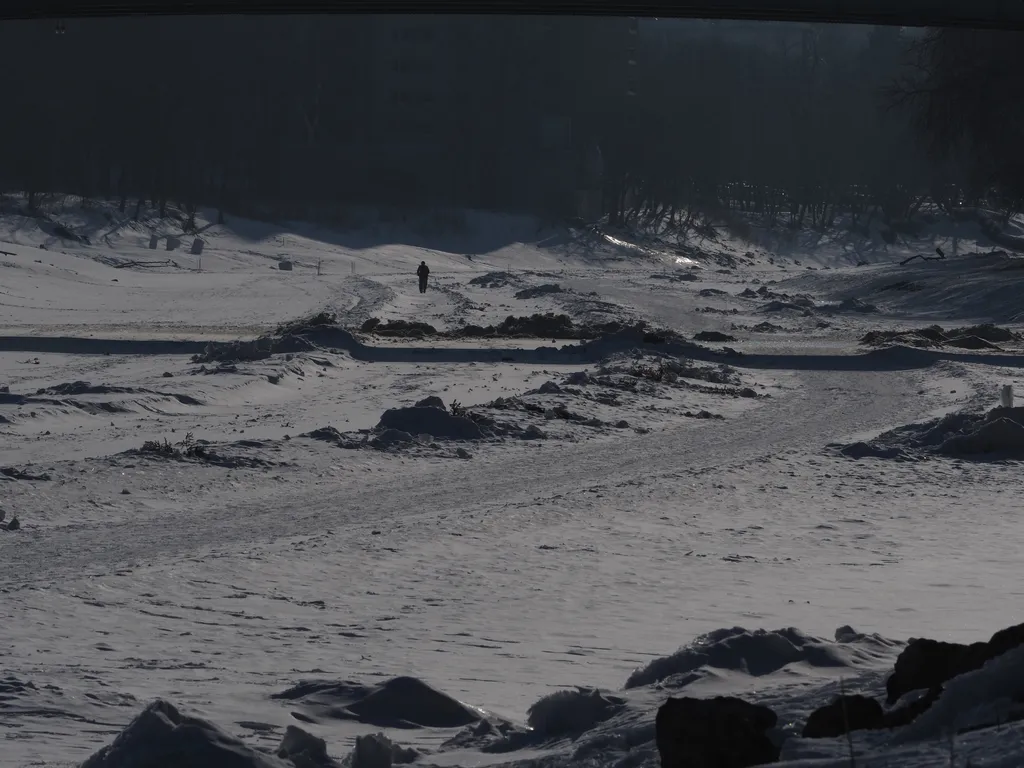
[565,713]
[162,737]
[761,652]
[402,702]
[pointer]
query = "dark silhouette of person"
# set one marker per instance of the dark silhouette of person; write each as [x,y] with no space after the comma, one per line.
[423,271]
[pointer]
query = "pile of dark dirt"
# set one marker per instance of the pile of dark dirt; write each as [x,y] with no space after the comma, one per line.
[496,280]
[403,329]
[84,388]
[996,434]
[439,424]
[536,326]
[319,320]
[764,293]
[713,336]
[678,277]
[539,290]
[299,337]
[975,337]
[857,305]
[766,327]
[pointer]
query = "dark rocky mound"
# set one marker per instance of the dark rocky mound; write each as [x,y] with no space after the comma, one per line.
[162,737]
[724,732]
[678,277]
[845,714]
[319,320]
[975,337]
[84,388]
[495,280]
[857,305]
[539,290]
[402,702]
[548,325]
[713,336]
[783,306]
[999,433]
[256,349]
[402,329]
[375,750]
[928,664]
[432,402]
[862,450]
[432,421]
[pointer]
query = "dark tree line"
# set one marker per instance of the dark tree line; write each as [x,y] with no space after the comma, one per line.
[964,91]
[298,116]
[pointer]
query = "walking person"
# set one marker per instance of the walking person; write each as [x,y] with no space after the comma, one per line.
[423,271]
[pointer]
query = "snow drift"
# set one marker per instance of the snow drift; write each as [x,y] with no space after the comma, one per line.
[761,652]
[402,702]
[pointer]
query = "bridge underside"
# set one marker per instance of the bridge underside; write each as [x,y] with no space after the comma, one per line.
[987,14]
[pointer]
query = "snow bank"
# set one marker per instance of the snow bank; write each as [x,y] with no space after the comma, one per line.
[761,652]
[402,702]
[565,713]
[163,736]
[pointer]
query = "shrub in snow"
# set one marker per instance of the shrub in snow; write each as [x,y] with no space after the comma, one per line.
[567,713]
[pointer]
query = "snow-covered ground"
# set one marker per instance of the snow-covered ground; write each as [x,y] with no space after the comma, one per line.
[670,494]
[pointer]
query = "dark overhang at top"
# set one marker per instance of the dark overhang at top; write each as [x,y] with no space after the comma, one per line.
[983,14]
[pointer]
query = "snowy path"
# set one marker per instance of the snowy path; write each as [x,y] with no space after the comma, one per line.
[827,406]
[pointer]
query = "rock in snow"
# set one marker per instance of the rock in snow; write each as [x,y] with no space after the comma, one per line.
[927,664]
[724,732]
[378,751]
[430,421]
[846,713]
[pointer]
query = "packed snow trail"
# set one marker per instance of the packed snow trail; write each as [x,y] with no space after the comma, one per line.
[826,406]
